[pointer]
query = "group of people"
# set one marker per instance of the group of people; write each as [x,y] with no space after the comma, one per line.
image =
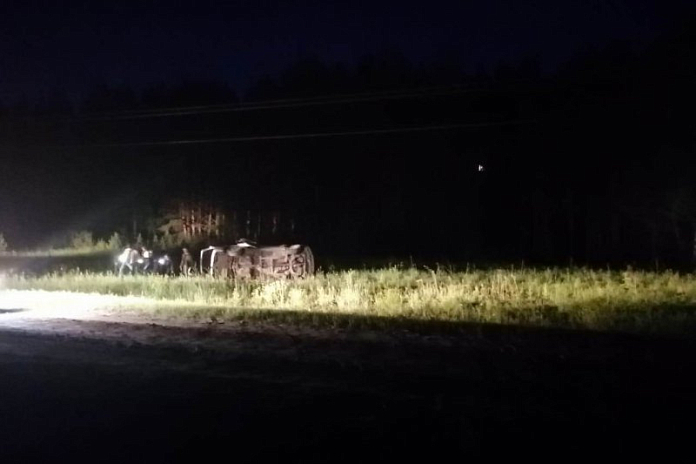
[141,260]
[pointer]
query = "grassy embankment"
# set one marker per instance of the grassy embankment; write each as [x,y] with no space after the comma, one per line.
[633,301]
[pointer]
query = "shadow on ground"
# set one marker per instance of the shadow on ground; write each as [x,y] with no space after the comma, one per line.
[280,393]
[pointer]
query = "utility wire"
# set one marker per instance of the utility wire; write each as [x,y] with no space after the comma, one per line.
[287,103]
[424,90]
[271,104]
[312,135]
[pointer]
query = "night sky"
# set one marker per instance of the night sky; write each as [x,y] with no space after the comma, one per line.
[73,47]
[583,150]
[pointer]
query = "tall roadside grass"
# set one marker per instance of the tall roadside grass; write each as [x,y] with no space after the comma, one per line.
[635,301]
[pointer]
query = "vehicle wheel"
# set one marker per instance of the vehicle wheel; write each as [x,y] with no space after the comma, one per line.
[298,266]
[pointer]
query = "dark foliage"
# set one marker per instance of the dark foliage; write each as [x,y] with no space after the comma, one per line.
[591,164]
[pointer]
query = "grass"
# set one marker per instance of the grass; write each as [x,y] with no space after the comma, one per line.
[632,301]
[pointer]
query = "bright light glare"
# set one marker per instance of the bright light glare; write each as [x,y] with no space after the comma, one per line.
[40,304]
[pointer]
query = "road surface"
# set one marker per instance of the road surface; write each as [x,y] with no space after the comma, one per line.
[106,388]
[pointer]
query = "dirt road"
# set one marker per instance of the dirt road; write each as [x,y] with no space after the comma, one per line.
[104,387]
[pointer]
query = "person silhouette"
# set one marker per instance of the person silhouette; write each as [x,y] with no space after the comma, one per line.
[187,263]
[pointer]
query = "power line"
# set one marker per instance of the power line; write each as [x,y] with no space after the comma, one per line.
[286,103]
[312,135]
[278,101]
[273,104]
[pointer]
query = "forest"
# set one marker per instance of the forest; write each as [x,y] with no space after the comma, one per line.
[589,164]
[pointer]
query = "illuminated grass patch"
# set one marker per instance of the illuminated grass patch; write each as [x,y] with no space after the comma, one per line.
[657,302]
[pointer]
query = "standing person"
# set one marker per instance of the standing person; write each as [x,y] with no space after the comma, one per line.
[147,259]
[186,264]
[128,259]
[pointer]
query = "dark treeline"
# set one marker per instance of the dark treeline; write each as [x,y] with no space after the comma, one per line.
[591,164]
